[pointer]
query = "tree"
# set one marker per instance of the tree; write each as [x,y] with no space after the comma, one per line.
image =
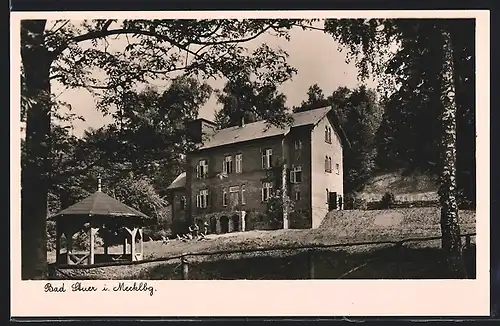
[249,99]
[315,99]
[360,116]
[428,57]
[74,55]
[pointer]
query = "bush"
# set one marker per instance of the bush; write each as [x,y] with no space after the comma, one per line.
[388,200]
[360,203]
[51,235]
[349,200]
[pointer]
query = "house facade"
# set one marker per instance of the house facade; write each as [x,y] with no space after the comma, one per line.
[233,173]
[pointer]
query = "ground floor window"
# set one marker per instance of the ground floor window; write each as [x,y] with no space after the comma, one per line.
[266,190]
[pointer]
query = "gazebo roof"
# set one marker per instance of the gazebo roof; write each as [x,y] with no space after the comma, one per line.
[101,204]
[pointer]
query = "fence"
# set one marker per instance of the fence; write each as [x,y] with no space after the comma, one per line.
[412,258]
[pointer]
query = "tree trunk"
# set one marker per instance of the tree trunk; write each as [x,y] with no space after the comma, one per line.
[450,227]
[35,173]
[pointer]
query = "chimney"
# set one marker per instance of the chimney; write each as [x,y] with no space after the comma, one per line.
[242,121]
[199,128]
[99,183]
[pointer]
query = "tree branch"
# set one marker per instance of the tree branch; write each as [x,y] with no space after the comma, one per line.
[241,40]
[51,32]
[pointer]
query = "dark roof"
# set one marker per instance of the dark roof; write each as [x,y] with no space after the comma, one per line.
[260,129]
[179,182]
[101,204]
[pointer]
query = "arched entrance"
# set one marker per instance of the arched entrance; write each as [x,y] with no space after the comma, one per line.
[213,225]
[236,223]
[224,224]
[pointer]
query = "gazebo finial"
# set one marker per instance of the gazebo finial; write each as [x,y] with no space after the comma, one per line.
[99,183]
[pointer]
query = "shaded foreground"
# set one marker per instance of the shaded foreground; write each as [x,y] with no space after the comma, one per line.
[383,262]
[259,259]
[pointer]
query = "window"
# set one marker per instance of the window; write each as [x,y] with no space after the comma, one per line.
[328,134]
[224,197]
[243,198]
[328,164]
[202,169]
[337,168]
[233,194]
[266,158]
[266,190]
[202,199]
[183,202]
[327,195]
[296,174]
[298,145]
[297,195]
[239,162]
[227,166]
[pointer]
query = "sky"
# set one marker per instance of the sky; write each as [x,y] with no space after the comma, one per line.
[313,53]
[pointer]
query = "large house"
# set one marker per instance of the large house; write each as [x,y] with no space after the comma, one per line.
[234,171]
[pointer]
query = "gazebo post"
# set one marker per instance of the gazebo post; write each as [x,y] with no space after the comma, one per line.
[125,244]
[132,243]
[69,244]
[105,235]
[58,242]
[141,241]
[92,233]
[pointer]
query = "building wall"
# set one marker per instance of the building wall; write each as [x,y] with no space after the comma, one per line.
[322,180]
[251,177]
[179,221]
[301,217]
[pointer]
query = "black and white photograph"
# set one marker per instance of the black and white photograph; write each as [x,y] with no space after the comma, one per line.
[248,148]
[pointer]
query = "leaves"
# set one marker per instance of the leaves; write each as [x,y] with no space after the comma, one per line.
[405,54]
[246,97]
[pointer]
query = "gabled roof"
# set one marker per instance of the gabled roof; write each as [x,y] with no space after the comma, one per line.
[260,129]
[100,204]
[179,182]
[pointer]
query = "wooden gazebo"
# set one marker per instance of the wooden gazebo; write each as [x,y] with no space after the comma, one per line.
[113,220]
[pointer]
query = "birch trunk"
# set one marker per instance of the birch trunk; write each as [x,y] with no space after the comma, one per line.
[450,228]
